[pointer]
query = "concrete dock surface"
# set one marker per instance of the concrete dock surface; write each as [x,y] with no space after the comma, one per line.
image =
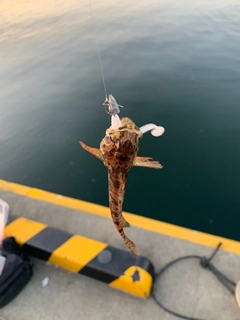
[186,288]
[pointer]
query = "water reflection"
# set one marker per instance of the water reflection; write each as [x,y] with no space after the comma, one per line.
[173,63]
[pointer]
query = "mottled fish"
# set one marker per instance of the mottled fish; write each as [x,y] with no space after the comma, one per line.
[118,151]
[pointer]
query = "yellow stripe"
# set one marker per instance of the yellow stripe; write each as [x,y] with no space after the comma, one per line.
[135,220]
[15,188]
[75,253]
[141,287]
[24,228]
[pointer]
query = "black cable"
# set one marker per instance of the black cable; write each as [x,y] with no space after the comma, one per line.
[205,263]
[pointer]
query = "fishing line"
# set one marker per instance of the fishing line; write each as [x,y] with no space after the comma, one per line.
[98,49]
[206,264]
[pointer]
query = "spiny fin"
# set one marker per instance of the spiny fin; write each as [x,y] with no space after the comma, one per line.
[94,151]
[147,162]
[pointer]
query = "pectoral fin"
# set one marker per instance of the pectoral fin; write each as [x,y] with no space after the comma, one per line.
[147,162]
[94,151]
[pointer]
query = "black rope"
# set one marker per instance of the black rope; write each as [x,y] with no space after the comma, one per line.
[206,264]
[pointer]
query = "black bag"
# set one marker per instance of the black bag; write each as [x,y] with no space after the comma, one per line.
[16,273]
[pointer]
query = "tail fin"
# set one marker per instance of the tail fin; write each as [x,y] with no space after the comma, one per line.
[131,245]
[117,182]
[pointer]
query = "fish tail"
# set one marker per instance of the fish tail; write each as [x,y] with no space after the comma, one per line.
[129,243]
[117,182]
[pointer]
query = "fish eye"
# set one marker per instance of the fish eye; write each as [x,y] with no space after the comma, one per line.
[108,139]
[132,147]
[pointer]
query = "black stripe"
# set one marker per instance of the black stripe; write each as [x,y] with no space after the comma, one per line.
[45,242]
[107,266]
[115,266]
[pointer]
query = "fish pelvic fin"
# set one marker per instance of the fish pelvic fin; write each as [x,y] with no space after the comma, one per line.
[94,151]
[124,223]
[119,220]
[147,162]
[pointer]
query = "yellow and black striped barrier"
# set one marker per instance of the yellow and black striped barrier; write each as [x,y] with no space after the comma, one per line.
[118,268]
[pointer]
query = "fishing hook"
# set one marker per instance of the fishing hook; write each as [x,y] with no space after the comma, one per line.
[111,105]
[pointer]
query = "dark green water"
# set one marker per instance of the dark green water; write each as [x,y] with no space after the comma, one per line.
[173,63]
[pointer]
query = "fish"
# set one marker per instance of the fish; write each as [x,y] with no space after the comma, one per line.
[118,152]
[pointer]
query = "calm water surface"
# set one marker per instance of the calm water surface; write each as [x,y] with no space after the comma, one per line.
[174,63]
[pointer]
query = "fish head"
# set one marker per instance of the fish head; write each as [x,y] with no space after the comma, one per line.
[119,147]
